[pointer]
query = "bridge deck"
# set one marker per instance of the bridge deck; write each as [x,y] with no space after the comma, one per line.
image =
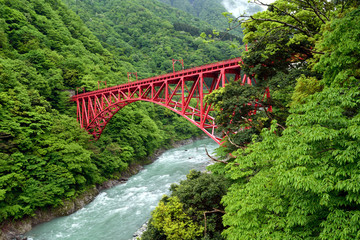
[208,68]
[175,91]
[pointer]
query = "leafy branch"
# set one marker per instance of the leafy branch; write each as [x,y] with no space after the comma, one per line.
[305,31]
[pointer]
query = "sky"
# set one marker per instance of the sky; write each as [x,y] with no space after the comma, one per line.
[237,7]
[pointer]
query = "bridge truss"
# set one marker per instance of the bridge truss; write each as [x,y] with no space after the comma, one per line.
[182,92]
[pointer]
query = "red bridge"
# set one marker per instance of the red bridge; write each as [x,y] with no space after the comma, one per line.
[182,92]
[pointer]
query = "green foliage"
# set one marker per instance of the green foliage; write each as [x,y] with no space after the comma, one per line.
[305,87]
[53,39]
[208,11]
[303,183]
[190,201]
[237,103]
[145,35]
[234,102]
[281,40]
[43,158]
[340,64]
[285,33]
[170,218]
[133,127]
[152,233]
[45,50]
[200,191]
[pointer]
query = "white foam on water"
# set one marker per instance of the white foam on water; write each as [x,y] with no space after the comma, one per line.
[59,235]
[75,225]
[101,200]
[166,176]
[118,212]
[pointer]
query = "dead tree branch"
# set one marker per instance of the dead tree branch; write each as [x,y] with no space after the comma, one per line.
[216,160]
[207,212]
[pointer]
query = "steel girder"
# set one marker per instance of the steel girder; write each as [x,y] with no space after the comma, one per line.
[182,92]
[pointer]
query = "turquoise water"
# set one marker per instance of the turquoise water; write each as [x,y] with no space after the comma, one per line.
[118,212]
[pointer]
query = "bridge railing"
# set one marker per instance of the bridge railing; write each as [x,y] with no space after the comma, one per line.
[182,73]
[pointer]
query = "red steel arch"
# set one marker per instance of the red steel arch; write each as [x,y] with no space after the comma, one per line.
[182,92]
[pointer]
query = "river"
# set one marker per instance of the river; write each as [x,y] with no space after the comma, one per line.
[116,213]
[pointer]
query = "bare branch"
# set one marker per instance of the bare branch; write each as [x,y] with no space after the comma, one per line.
[317,11]
[326,150]
[217,160]
[261,3]
[309,6]
[5,135]
[272,30]
[232,141]
[252,124]
[213,211]
[230,28]
[239,22]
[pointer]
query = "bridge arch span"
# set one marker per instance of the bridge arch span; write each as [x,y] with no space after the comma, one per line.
[99,122]
[182,92]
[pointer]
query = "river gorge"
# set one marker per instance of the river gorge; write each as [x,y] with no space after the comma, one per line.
[117,213]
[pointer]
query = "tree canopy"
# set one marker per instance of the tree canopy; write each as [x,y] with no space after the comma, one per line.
[47,51]
[193,211]
[298,179]
[208,11]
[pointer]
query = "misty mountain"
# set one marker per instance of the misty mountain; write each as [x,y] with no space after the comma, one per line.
[209,11]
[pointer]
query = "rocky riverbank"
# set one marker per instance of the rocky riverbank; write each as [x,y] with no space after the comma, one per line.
[13,230]
[140,231]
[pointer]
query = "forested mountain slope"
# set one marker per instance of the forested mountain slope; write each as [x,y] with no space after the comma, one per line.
[148,34]
[45,49]
[207,10]
[142,35]
[199,8]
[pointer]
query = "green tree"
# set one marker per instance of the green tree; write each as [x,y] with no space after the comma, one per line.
[194,206]
[285,33]
[303,184]
[170,217]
